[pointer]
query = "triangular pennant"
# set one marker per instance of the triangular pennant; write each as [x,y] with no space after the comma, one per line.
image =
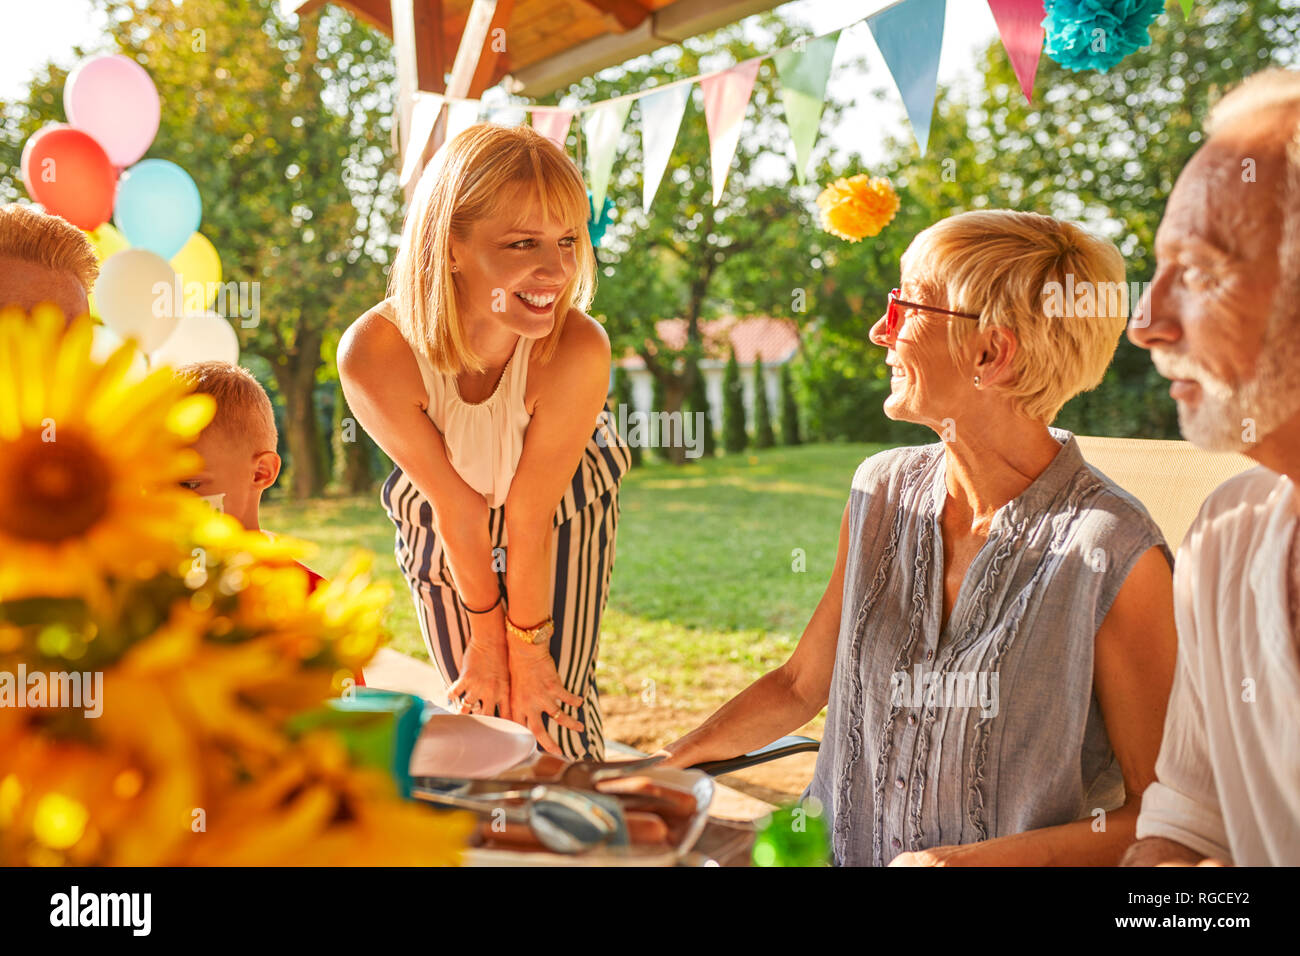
[661,118]
[1021,24]
[726,95]
[553,123]
[910,36]
[507,115]
[1187,8]
[424,115]
[461,115]
[601,128]
[804,72]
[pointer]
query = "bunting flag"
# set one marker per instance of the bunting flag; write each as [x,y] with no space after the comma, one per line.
[661,118]
[726,95]
[1021,24]
[506,115]
[909,36]
[553,123]
[461,115]
[803,72]
[424,116]
[601,129]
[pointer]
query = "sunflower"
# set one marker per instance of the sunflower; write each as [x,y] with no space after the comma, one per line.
[89,462]
[857,206]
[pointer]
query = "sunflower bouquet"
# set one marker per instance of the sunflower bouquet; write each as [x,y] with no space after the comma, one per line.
[152,652]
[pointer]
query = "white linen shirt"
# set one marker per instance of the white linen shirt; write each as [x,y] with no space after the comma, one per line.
[1228,774]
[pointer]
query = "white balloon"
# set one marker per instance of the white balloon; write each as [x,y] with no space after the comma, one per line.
[104,342]
[206,337]
[137,298]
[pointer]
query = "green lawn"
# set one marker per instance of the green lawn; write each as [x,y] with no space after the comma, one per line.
[705,595]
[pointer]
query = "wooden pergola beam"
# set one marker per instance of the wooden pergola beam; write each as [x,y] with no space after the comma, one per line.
[470,51]
[625,13]
[493,61]
[671,24]
[408,27]
[423,38]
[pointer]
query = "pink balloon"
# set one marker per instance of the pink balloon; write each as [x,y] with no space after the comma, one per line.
[113,99]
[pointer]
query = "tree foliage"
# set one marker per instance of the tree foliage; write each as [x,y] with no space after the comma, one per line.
[789,409]
[734,436]
[285,125]
[764,437]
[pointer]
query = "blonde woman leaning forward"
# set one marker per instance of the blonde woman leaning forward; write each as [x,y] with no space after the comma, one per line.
[997,639]
[485,382]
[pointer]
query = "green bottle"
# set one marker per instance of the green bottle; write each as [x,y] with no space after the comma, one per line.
[793,835]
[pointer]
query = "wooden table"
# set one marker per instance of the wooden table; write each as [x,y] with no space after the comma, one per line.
[729,835]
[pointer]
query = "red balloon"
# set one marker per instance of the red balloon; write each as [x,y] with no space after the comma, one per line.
[69,174]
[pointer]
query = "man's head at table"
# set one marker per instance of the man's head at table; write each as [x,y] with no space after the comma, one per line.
[238,446]
[44,258]
[1222,314]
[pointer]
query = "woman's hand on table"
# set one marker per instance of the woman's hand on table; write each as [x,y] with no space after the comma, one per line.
[484,683]
[673,757]
[934,856]
[536,691]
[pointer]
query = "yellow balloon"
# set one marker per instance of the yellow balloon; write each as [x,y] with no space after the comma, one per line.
[106,240]
[199,268]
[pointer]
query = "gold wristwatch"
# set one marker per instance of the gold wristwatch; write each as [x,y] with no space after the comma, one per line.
[538,634]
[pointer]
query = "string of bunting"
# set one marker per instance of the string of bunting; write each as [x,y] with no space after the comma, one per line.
[1078,34]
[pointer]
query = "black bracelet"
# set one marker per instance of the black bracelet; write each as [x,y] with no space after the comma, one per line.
[486,610]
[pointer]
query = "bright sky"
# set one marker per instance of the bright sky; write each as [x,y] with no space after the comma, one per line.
[37,31]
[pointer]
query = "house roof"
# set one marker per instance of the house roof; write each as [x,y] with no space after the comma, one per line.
[773,340]
[549,43]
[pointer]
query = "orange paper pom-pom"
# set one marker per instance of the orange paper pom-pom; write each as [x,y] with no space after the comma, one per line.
[857,206]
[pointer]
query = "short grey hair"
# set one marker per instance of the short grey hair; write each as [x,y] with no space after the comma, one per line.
[1267,90]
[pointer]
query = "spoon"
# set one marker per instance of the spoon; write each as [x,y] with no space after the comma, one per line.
[563,820]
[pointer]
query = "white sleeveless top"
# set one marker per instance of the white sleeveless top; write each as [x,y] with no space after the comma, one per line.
[484,439]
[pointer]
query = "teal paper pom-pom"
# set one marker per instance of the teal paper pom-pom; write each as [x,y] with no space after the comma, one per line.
[1097,34]
[596,225]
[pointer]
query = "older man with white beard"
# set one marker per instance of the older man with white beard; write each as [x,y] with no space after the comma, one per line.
[1222,320]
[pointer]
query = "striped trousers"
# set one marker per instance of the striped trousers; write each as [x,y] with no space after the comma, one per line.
[582,559]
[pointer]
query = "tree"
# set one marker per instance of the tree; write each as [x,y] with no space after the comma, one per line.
[734,437]
[353,454]
[789,409]
[763,437]
[687,258]
[697,409]
[656,406]
[622,391]
[285,125]
[1101,149]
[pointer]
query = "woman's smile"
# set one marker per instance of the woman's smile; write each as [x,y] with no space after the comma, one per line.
[538,302]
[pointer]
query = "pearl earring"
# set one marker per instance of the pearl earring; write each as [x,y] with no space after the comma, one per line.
[977,381]
[455,268]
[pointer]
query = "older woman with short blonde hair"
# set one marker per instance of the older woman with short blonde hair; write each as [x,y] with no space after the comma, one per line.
[485,381]
[996,642]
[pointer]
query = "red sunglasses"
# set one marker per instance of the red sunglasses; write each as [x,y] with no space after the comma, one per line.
[894,314]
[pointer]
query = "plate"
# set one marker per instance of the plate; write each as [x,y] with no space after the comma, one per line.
[470,745]
[695,782]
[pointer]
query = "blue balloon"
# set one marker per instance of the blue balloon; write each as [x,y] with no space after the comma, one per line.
[158,207]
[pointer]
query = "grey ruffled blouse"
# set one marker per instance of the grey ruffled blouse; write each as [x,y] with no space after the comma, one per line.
[990,726]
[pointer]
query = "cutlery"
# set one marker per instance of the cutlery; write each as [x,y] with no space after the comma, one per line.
[577,776]
[563,820]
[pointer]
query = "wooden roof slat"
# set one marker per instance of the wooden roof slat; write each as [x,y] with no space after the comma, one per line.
[494,61]
[550,43]
[625,13]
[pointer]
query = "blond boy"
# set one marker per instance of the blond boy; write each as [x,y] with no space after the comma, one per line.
[238,446]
